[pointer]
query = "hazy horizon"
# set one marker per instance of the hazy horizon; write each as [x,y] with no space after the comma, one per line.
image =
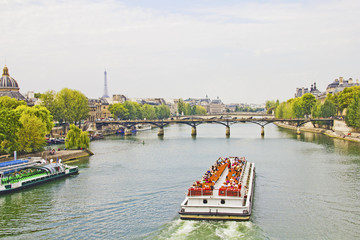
[242,51]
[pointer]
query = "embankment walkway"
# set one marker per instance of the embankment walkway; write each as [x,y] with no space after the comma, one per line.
[64,155]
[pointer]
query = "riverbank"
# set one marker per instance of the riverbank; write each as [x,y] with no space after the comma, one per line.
[64,155]
[347,135]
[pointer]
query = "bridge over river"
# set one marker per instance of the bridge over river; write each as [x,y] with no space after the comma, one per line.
[227,121]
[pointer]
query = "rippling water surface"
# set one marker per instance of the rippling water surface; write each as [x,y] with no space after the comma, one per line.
[306,187]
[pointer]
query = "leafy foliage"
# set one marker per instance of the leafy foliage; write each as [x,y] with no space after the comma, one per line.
[353,113]
[346,96]
[133,110]
[187,109]
[22,128]
[9,127]
[68,105]
[162,111]
[32,133]
[10,103]
[270,106]
[119,111]
[76,138]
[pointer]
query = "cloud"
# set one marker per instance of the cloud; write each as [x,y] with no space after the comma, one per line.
[242,52]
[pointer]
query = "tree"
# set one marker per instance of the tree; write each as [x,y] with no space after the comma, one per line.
[73,105]
[200,110]
[346,96]
[298,110]
[307,102]
[148,111]
[32,133]
[49,100]
[181,107]
[9,127]
[328,109]
[270,106]
[134,110]
[76,138]
[334,98]
[40,112]
[316,111]
[10,103]
[352,118]
[162,111]
[187,109]
[119,111]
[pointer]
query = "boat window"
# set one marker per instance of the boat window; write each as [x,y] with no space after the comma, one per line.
[222,201]
[205,201]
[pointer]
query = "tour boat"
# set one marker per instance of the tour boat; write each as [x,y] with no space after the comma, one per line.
[225,192]
[143,127]
[18,174]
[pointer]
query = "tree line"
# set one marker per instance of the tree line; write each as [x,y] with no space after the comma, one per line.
[186,109]
[345,103]
[132,110]
[23,128]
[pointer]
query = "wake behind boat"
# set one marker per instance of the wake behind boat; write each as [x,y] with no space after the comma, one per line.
[18,174]
[224,193]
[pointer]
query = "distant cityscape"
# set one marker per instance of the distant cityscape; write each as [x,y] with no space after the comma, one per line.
[99,108]
[338,85]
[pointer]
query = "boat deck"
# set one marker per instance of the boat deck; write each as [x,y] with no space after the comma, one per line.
[219,183]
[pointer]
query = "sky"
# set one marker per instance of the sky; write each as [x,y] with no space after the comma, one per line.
[240,51]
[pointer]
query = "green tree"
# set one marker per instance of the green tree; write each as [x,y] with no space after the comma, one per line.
[76,138]
[307,102]
[134,110]
[346,96]
[187,109]
[298,110]
[148,112]
[162,111]
[49,100]
[270,106]
[119,111]
[40,112]
[316,111]
[328,109]
[32,133]
[10,103]
[73,105]
[200,110]
[352,118]
[181,107]
[9,127]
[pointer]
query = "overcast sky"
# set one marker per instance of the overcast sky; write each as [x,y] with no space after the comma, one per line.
[241,51]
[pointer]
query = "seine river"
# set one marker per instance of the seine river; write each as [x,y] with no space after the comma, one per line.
[307,187]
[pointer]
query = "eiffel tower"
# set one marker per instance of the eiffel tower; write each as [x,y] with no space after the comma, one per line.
[106,95]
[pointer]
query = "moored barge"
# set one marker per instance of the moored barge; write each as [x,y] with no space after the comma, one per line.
[18,174]
[225,192]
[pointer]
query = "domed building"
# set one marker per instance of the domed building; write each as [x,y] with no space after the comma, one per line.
[9,86]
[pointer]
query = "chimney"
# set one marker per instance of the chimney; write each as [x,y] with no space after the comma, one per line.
[314,85]
[357,81]
[350,81]
[341,80]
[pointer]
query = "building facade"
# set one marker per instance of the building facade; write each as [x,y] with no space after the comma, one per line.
[9,86]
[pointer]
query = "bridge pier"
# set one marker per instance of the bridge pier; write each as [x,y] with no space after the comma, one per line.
[161,131]
[193,131]
[227,132]
[262,131]
[127,132]
[298,132]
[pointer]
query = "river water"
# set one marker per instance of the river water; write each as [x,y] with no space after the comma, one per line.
[307,187]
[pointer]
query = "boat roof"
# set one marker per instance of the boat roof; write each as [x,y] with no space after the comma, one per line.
[17,165]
